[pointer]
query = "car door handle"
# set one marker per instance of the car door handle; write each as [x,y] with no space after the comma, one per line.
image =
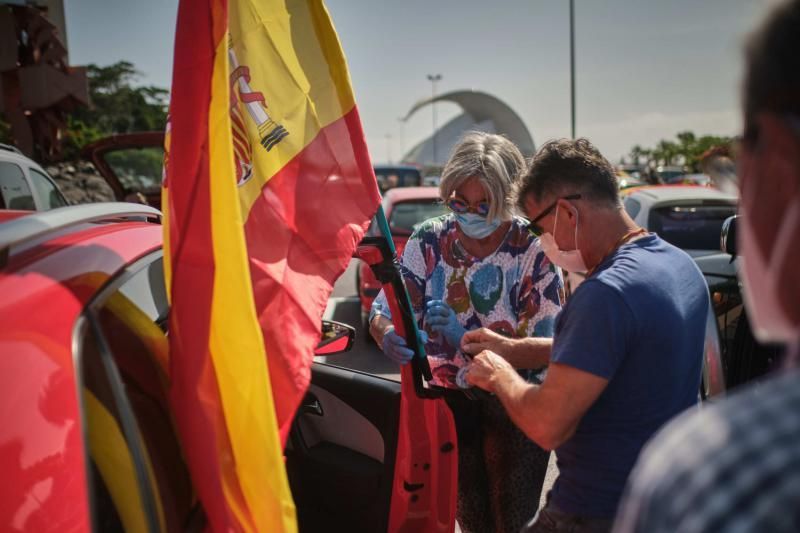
[311,405]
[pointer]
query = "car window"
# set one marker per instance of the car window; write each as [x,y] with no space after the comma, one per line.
[138,169]
[14,189]
[389,178]
[406,215]
[139,475]
[49,195]
[632,206]
[690,227]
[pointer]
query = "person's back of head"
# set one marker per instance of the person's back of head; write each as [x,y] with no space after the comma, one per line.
[564,166]
[769,169]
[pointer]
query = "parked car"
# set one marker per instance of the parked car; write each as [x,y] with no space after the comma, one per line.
[626,180]
[24,184]
[703,180]
[431,181]
[391,176]
[88,437]
[404,209]
[692,218]
[668,173]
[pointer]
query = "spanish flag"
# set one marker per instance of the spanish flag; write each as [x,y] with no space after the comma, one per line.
[268,189]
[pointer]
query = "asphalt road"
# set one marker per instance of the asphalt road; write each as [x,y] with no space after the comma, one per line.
[365,355]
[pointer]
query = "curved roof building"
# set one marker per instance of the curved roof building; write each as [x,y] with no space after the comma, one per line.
[480,111]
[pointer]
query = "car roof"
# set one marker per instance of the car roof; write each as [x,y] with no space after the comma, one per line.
[48,274]
[395,167]
[11,154]
[403,194]
[680,192]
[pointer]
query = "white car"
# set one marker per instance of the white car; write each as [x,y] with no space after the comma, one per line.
[24,184]
[686,216]
[691,218]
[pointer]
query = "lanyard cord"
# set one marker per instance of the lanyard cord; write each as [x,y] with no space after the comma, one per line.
[623,240]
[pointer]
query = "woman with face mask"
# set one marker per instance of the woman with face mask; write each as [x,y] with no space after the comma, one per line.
[476,267]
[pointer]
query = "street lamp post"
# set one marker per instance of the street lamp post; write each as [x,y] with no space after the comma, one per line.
[572,63]
[433,78]
[388,137]
[402,121]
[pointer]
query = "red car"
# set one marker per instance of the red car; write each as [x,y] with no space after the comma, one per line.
[87,439]
[405,207]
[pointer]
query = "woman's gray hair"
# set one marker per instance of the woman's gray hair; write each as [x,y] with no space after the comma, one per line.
[495,161]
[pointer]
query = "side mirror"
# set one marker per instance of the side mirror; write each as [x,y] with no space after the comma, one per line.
[727,239]
[336,338]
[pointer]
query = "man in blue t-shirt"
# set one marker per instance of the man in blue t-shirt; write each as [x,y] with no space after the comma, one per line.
[628,346]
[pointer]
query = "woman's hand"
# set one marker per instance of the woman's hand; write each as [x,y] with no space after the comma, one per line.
[440,318]
[395,348]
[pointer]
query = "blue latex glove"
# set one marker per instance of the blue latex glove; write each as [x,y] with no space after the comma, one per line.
[440,318]
[395,348]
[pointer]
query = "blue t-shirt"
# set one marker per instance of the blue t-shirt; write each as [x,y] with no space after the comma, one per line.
[638,321]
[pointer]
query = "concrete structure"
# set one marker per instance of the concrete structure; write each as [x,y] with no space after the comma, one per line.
[482,112]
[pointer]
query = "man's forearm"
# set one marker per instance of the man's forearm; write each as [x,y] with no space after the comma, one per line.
[530,352]
[529,410]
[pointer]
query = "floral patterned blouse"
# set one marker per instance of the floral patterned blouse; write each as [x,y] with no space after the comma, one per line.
[516,291]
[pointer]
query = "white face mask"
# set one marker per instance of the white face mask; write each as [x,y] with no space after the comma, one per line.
[572,260]
[761,283]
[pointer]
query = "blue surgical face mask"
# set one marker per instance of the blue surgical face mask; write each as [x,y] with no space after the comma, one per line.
[476,226]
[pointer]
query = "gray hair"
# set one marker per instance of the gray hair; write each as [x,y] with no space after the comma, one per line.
[497,164]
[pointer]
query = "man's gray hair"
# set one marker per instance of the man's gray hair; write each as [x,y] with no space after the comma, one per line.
[495,161]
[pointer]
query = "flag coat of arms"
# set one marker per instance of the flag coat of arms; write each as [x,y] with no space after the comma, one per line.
[268,189]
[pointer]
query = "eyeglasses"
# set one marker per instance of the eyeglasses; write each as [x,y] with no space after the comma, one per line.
[461,207]
[534,228]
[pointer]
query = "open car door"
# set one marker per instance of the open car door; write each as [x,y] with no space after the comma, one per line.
[370,454]
[131,164]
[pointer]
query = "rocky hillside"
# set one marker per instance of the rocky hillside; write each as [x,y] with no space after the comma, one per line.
[80,182]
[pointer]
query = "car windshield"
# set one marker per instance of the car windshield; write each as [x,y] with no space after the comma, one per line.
[138,169]
[406,215]
[690,227]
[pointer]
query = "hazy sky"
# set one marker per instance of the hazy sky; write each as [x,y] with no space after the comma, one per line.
[645,69]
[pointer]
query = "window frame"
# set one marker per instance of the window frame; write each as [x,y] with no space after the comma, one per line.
[87,322]
[38,200]
[34,196]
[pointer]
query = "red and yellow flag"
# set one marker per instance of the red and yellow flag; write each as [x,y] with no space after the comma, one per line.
[268,190]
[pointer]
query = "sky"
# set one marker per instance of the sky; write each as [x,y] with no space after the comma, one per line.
[645,69]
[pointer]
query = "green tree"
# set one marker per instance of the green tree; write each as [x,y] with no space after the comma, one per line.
[117,106]
[688,149]
[636,154]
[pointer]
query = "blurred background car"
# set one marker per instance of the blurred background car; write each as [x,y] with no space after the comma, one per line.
[686,216]
[25,185]
[668,173]
[703,180]
[627,181]
[391,176]
[431,181]
[405,208]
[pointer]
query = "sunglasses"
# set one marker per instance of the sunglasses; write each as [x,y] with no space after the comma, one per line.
[534,228]
[461,207]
